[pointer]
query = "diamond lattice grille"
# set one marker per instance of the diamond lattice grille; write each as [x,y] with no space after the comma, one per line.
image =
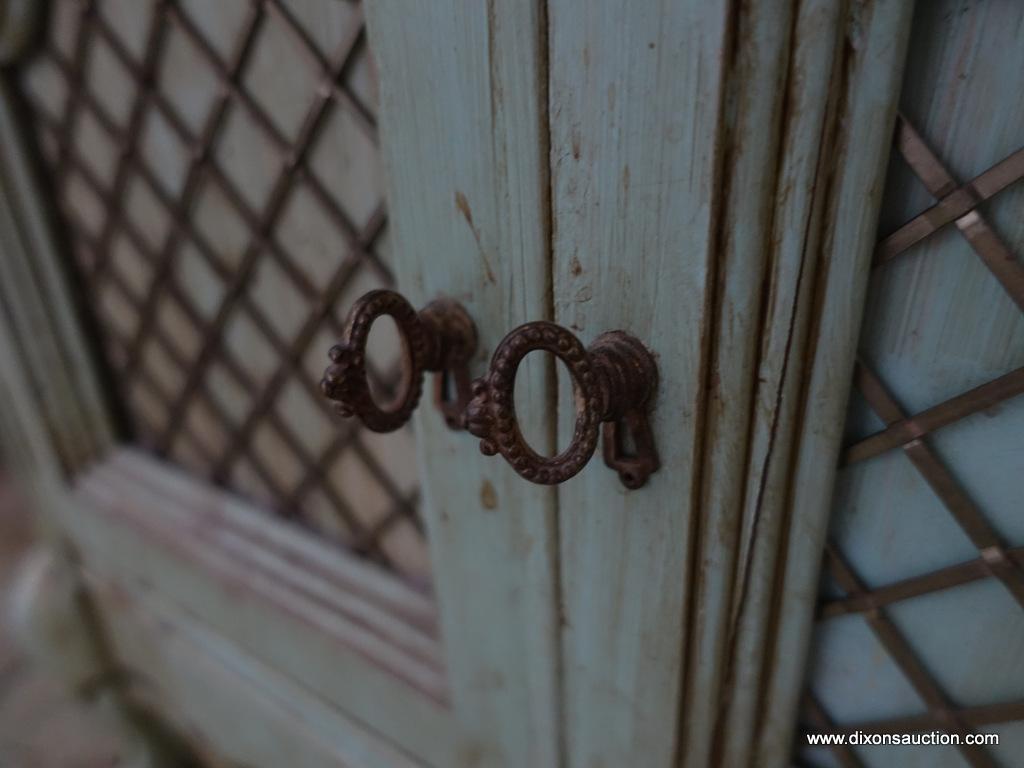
[901,633]
[217,168]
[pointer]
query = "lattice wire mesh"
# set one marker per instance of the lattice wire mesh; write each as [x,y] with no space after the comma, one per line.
[217,167]
[900,639]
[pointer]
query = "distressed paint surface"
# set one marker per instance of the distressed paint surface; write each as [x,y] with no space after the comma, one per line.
[464,137]
[702,174]
[232,707]
[755,94]
[358,637]
[38,305]
[800,187]
[656,195]
[634,111]
[876,42]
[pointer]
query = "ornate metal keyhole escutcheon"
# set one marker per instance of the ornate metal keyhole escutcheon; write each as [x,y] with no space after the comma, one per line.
[440,338]
[613,384]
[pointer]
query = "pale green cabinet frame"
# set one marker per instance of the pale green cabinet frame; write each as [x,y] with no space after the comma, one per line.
[704,175]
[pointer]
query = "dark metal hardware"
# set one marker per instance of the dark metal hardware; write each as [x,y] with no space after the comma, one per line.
[440,338]
[613,383]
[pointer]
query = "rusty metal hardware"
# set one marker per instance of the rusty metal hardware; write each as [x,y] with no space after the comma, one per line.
[613,384]
[440,338]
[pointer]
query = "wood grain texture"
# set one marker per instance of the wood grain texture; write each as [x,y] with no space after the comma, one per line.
[24,440]
[812,95]
[723,214]
[875,45]
[37,303]
[635,99]
[463,131]
[232,706]
[607,167]
[356,636]
[758,64]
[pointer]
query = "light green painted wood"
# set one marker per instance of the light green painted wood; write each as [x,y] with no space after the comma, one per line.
[608,167]
[696,206]
[237,708]
[463,131]
[635,97]
[36,301]
[669,211]
[877,33]
[331,624]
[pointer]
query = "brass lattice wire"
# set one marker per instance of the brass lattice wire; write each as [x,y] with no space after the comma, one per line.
[957,205]
[186,380]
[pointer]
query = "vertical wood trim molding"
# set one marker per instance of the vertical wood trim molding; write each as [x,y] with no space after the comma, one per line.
[635,96]
[875,35]
[754,110]
[728,222]
[716,177]
[800,187]
[23,439]
[464,131]
[825,179]
[36,304]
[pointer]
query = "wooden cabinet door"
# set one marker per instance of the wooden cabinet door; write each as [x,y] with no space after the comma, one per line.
[707,178]
[703,176]
[190,196]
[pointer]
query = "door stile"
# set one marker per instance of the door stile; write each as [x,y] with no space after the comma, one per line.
[635,96]
[728,223]
[759,56]
[876,36]
[464,135]
[795,235]
[39,310]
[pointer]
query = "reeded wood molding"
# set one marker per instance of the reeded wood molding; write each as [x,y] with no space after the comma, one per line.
[759,261]
[782,394]
[37,441]
[205,686]
[359,638]
[726,215]
[51,351]
[875,48]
